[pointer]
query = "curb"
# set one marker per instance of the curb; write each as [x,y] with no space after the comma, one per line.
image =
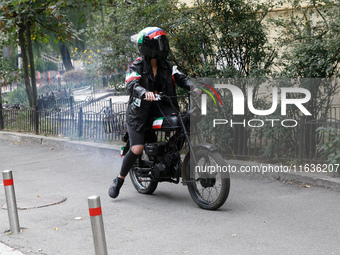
[301,178]
[61,143]
[6,250]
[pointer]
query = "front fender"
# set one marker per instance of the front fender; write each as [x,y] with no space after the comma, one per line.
[207,146]
[200,146]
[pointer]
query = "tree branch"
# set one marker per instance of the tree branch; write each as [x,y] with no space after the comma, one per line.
[324,19]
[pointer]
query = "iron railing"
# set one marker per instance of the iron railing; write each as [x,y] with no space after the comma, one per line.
[107,124]
[106,121]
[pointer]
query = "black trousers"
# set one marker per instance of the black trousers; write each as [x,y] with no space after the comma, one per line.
[158,109]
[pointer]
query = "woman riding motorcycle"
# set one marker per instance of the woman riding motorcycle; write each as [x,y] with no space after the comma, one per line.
[146,76]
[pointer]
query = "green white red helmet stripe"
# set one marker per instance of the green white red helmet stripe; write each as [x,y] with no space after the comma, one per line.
[152,32]
[157,33]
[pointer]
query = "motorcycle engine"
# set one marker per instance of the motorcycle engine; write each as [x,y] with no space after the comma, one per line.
[155,150]
[165,161]
[160,170]
[168,165]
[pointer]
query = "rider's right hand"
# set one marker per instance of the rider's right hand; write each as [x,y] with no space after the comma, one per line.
[149,96]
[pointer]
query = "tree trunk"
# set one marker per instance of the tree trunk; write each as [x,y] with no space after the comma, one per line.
[65,54]
[31,61]
[25,64]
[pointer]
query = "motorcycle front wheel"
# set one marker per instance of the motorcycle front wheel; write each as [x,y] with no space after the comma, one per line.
[144,185]
[208,182]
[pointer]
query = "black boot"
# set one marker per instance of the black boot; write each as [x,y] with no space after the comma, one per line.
[115,187]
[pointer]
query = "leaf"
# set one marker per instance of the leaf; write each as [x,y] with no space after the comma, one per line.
[320,129]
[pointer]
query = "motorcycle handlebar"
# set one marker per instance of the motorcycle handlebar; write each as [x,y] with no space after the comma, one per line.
[159,97]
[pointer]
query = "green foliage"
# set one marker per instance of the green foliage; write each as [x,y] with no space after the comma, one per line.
[43,66]
[224,39]
[17,96]
[27,22]
[113,33]
[212,38]
[234,37]
[310,40]
[8,72]
[330,149]
[5,74]
[46,15]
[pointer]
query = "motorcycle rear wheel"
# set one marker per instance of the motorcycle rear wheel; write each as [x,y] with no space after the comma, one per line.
[208,187]
[144,185]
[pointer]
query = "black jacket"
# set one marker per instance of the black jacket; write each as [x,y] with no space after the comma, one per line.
[140,79]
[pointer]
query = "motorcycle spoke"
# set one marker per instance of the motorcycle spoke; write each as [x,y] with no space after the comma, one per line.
[209,194]
[144,181]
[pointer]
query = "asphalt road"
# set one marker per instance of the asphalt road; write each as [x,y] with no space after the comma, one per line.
[261,216]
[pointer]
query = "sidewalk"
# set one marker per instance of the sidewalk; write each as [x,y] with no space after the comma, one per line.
[57,142]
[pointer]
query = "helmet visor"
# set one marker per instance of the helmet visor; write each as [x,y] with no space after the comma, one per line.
[160,44]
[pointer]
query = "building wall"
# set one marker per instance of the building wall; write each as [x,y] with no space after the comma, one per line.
[188,2]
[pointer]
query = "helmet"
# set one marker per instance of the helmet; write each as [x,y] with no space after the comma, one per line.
[153,43]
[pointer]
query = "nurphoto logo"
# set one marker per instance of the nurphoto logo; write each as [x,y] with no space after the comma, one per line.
[238,99]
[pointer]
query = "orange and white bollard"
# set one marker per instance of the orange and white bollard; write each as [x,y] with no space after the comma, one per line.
[11,201]
[97,224]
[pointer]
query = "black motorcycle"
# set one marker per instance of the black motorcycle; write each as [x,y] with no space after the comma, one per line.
[200,169]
